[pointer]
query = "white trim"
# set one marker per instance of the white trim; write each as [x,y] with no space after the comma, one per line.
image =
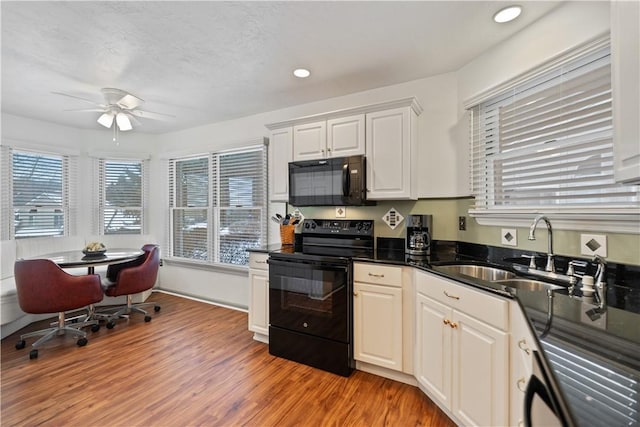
[114,155]
[231,146]
[363,109]
[21,145]
[219,304]
[563,58]
[610,221]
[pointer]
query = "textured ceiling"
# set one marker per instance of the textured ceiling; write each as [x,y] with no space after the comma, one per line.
[205,61]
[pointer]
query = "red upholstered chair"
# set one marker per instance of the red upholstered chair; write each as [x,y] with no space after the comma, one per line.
[128,279]
[43,287]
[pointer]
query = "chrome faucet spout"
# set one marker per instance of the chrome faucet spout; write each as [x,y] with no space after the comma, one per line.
[601,281]
[532,236]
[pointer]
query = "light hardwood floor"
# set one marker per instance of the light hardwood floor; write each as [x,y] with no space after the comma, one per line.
[193,364]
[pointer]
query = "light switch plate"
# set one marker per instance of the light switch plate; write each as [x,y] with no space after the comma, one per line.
[593,244]
[509,236]
[341,212]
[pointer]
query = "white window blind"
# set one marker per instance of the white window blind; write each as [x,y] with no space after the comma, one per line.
[6,195]
[241,204]
[43,189]
[547,143]
[190,209]
[122,192]
[218,205]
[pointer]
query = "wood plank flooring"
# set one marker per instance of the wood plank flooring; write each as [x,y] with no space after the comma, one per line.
[193,364]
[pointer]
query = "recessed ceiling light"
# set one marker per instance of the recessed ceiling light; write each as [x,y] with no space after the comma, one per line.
[507,14]
[301,73]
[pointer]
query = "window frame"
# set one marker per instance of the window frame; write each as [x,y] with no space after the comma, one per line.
[100,194]
[68,195]
[215,206]
[608,219]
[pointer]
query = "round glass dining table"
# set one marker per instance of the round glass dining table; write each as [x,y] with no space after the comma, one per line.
[70,259]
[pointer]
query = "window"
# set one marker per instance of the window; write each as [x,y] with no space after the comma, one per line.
[41,194]
[545,144]
[218,206]
[121,196]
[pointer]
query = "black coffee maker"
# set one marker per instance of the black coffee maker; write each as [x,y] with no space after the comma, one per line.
[419,235]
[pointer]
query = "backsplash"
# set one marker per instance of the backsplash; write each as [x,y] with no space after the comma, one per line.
[623,248]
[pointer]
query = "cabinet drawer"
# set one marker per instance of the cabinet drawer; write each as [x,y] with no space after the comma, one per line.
[489,309]
[258,261]
[378,274]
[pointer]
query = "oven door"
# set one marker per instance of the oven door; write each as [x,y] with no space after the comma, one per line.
[311,297]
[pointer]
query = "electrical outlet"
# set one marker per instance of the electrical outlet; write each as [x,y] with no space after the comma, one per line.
[462,223]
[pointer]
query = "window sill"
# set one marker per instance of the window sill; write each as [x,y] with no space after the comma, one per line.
[240,270]
[602,220]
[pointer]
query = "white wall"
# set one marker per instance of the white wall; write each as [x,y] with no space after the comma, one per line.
[568,26]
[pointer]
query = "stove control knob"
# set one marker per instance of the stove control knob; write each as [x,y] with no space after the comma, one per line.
[313,225]
[306,225]
[359,226]
[367,226]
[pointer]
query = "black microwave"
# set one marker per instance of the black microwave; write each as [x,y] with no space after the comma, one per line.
[340,181]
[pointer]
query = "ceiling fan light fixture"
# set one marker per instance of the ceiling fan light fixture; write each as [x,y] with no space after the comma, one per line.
[124,124]
[106,120]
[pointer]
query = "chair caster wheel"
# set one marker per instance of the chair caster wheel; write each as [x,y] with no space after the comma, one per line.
[20,345]
[111,324]
[33,354]
[82,342]
[95,328]
[147,318]
[156,308]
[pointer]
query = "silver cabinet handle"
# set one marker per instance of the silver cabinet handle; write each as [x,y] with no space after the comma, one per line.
[451,296]
[523,346]
[261,262]
[376,275]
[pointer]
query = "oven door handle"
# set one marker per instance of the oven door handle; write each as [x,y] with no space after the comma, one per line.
[308,265]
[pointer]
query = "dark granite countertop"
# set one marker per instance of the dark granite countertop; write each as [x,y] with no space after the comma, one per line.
[594,354]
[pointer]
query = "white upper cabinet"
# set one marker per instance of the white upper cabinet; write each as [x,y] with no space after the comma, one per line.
[391,146]
[345,136]
[280,151]
[310,141]
[625,68]
[339,137]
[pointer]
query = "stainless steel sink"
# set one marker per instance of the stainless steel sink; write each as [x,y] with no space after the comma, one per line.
[482,272]
[529,285]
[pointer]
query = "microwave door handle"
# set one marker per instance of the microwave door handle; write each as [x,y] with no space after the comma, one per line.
[346,180]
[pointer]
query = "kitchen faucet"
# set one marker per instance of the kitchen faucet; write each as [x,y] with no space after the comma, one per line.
[550,263]
[601,281]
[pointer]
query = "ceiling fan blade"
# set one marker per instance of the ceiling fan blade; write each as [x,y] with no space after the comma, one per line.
[87,110]
[81,99]
[129,102]
[150,115]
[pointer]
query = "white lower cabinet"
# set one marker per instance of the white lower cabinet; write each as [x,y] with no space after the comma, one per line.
[521,363]
[259,296]
[377,314]
[462,358]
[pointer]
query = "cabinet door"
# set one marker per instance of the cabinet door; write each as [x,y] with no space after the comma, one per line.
[521,346]
[310,141]
[433,362]
[280,154]
[259,302]
[388,148]
[377,324]
[625,79]
[480,373]
[345,136]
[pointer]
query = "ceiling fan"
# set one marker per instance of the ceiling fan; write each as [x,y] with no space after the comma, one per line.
[120,107]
